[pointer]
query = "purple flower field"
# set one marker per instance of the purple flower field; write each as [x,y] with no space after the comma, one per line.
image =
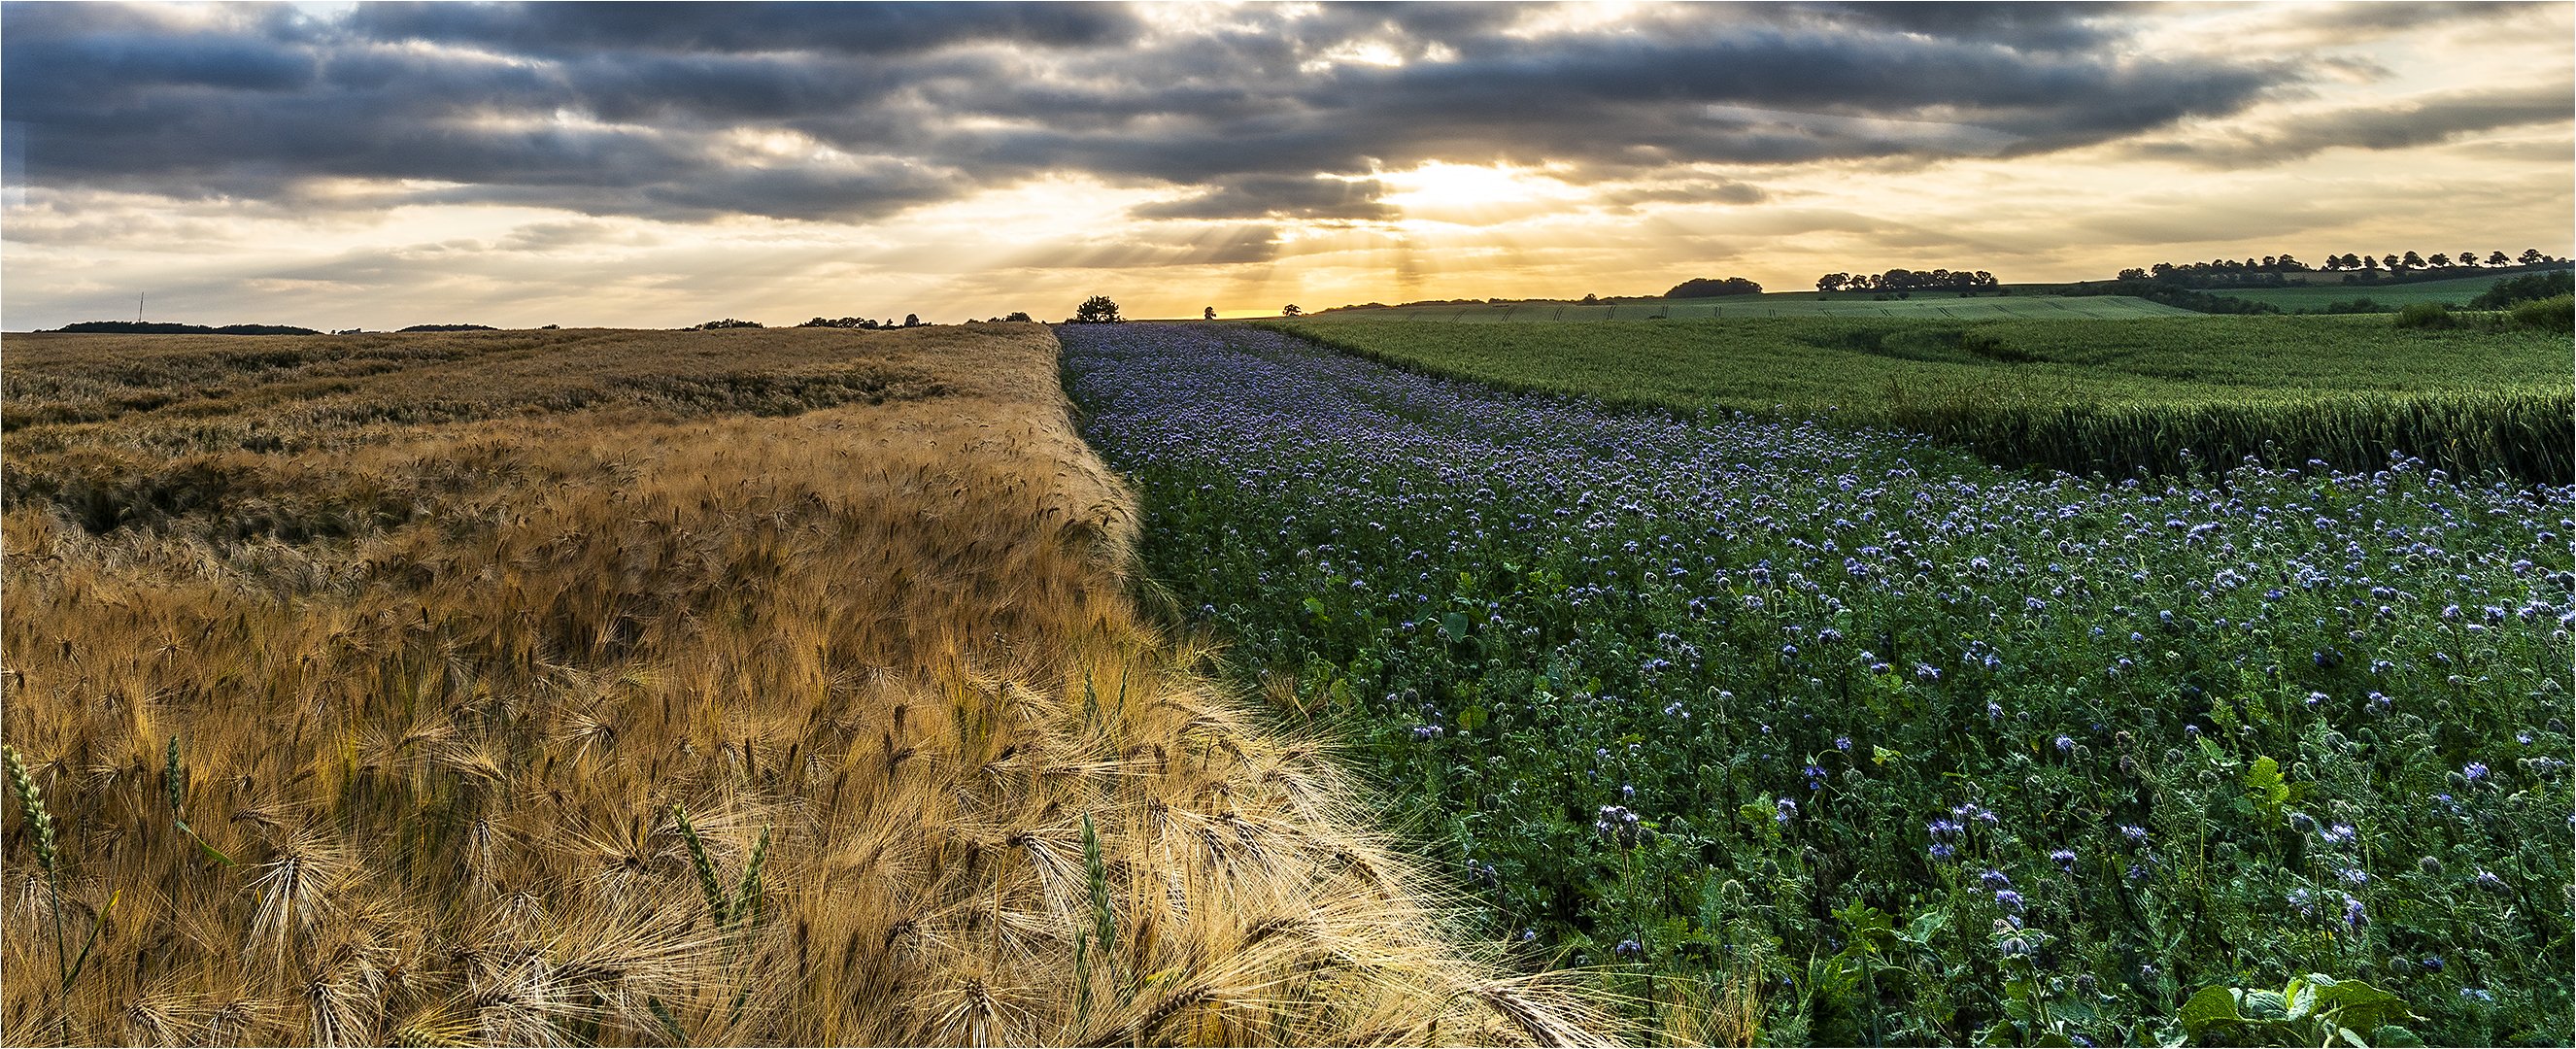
[1923,746]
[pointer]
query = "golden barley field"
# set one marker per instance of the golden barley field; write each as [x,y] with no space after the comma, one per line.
[613,687]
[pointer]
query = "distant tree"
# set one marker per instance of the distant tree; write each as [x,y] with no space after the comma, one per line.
[2498,259]
[1291,310]
[1832,281]
[1590,298]
[2353,262]
[2509,291]
[727,323]
[912,320]
[1710,288]
[2439,261]
[2286,262]
[1098,309]
[2392,262]
[2469,259]
[2372,264]
[2533,257]
[2133,273]
[1208,314]
[2412,261]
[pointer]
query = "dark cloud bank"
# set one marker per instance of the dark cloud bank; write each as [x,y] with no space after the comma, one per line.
[642,109]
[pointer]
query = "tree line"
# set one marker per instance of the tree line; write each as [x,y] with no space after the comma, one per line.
[1901,279]
[2393,262]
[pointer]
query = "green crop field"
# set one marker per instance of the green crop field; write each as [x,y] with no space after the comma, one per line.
[1923,306]
[2456,292]
[2078,394]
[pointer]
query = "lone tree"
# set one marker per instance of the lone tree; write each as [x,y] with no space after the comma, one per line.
[1711,287]
[1208,314]
[1098,309]
[1292,311]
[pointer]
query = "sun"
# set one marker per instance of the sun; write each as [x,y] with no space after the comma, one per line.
[1439,187]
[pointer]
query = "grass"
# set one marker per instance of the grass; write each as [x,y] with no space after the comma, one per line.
[1924,305]
[2456,291]
[647,688]
[2082,395]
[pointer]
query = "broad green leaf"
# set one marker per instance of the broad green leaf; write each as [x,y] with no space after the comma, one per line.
[2264,785]
[2210,1006]
[1924,927]
[2358,1005]
[2020,1000]
[2302,994]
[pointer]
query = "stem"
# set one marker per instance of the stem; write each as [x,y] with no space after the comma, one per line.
[54,896]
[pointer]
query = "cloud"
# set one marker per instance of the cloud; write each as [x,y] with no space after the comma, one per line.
[1278,196]
[2421,121]
[687,112]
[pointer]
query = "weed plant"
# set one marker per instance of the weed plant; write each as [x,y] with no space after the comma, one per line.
[1870,742]
[647,688]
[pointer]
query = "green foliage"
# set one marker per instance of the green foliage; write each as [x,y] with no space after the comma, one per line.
[2510,291]
[2556,313]
[2386,297]
[2312,1010]
[2426,316]
[1796,304]
[2202,731]
[2086,396]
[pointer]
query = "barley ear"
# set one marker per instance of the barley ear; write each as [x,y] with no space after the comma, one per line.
[747,894]
[716,909]
[174,783]
[31,804]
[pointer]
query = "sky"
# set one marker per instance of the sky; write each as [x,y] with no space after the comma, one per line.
[381,165]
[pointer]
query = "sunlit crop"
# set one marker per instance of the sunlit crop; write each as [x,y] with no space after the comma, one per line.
[773,687]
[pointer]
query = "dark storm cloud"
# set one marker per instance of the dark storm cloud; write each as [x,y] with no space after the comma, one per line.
[1281,196]
[2020,25]
[641,109]
[560,30]
[2418,122]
